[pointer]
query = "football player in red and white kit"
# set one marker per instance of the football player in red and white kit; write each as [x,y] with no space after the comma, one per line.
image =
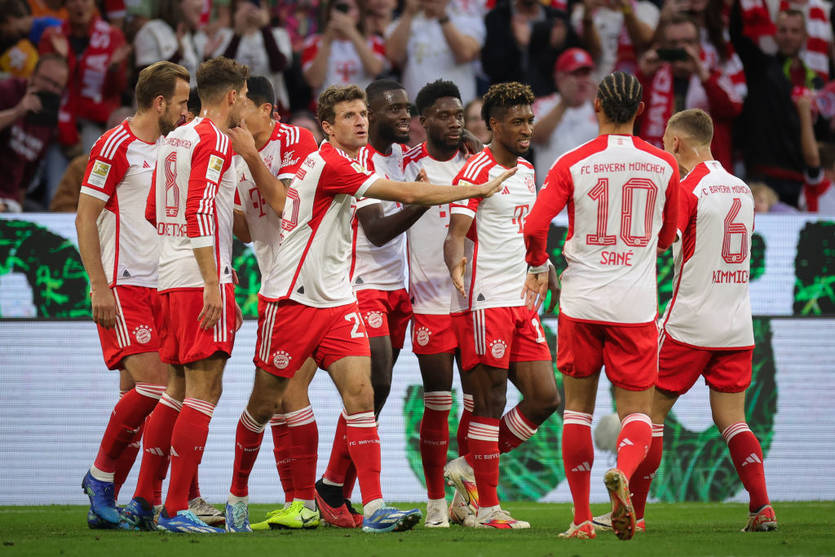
[440,159]
[707,328]
[309,283]
[498,336]
[120,254]
[269,154]
[192,207]
[622,196]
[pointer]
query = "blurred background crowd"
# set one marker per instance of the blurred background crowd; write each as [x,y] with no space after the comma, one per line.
[761,68]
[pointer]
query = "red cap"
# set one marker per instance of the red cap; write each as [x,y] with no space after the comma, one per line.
[574,59]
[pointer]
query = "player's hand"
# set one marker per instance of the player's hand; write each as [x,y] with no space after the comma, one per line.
[553,288]
[104,307]
[649,62]
[470,144]
[212,307]
[239,317]
[242,141]
[536,285]
[29,103]
[457,276]
[489,188]
[421,177]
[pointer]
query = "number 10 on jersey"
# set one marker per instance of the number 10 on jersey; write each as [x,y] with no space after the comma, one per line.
[600,194]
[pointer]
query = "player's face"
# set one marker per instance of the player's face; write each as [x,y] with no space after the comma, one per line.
[514,129]
[176,108]
[791,34]
[350,124]
[390,116]
[444,123]
[236,113]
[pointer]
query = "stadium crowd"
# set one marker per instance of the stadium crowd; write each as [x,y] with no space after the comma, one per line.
[760,68]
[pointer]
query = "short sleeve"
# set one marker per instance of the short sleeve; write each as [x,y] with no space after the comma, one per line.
[341,175]
[106,166]
[467,207]
[297,144]
[208,164]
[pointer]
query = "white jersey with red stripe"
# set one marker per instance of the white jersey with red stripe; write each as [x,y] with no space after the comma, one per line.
[495,247]
[616,189]
[710,307]
[119,173]
[312,264]
[193,203]
[380,267]
[429,284]
[283,154]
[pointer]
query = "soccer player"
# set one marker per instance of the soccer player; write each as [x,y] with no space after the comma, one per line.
[707,327]
[498,336]
[192,206]
[433,340]
[269,154]
[622,195]
[309,283]
[120,254]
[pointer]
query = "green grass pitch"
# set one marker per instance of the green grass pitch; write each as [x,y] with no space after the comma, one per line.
[806,528]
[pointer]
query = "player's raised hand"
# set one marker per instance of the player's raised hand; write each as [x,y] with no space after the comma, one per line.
[104,307]
[242,140]
[457,275]
[536,285]
[212,307]
[494,185]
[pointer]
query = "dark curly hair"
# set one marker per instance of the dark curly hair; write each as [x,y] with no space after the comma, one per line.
[620,94]
[502,96]
[431,92]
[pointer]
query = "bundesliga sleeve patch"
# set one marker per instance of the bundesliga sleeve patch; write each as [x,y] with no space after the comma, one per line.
[99,173]
[214,168]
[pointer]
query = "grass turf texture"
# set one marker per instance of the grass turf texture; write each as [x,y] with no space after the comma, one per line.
[674,529]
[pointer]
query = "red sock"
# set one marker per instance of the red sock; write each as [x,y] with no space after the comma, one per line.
[643,476]
[434,440]
[364,447]
[194,488]
[350,480]
[340,460]
[126,459]
[578,457]
[484,448]
[514,429]
[187,443]
[464,425]
[633,442]
[248,437]
[282,450]
[304,444]
[125,420]
[748,460]
[156,445]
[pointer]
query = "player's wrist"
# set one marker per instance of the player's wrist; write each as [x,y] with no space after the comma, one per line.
[537,269]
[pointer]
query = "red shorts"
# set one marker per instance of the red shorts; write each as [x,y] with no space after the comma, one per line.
[289,333]
[138,324]
[183,341]
[679,366]
[433,334]
[629,352]
[498,337]
[386,313]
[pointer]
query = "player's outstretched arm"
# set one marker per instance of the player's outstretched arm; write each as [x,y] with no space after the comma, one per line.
[421,193]
[551,199]
[381,229]
[101,297]
[273,189]
[459,225]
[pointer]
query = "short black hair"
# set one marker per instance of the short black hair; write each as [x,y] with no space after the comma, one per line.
[431,92]
[376,88]
[194,103]
[620,94]
[502,96]
[260,90]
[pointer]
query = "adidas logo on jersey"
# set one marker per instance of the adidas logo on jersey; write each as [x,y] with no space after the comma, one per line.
[625,443]
[584,467]
[506,191]
[752,459]
[145,164]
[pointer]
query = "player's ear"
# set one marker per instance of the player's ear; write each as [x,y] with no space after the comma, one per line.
[641,107]
[159,104]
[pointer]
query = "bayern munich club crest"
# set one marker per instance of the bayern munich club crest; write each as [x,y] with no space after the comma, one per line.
[142,334]
[530,183]
[422,336]
[281,359]
[374,319]
[498,348]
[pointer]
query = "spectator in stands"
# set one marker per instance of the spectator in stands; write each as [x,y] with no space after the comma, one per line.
[28,117]
[474,123]
[769,127]
[524,39]
[379,15]
[566,119]
[818,193]
[435,39]
[677,75]
[172,36]
[766,200]
[23,32]
[48,8]
[96,53]
[300,19]
[625,29]
[817,46]
[344,53]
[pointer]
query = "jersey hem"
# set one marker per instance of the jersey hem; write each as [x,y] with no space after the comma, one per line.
[711,348]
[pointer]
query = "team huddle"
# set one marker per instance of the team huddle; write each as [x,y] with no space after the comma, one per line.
[360,236]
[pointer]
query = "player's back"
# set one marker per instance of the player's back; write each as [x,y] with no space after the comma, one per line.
[710,306]
[195,187]
[619,187]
